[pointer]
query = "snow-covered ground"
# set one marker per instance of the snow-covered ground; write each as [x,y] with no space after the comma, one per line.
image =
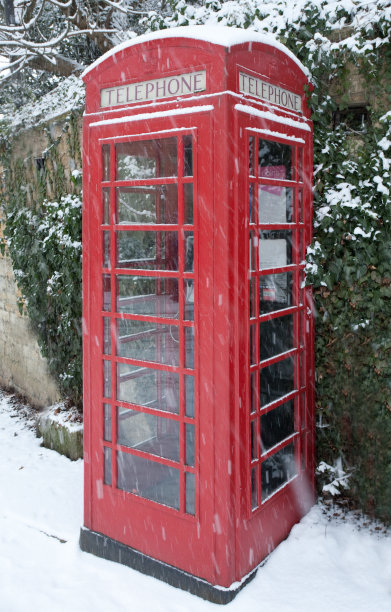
[327,563]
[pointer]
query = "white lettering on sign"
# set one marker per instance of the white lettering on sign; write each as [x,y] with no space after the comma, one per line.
[166,87]
[270,93]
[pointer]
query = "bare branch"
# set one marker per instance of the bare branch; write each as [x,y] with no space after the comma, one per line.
[12,74]
[118,6]
[61,66]
[62,5]
[28,39]
[29,11]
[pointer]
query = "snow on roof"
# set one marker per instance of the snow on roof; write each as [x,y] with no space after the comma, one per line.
[218,35]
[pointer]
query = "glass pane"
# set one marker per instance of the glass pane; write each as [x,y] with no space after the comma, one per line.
[189,396]
[253,391]
[188,156]
[147,250]
[106,206]
[301,248]
[147,387]
[253,242]
[190,447]
[275,292]
[106,250]
[147,204]
[253,331]
[106,282]
[189,251]
[302,370]
[276,336]
[277,470]
[106,163]
[148,479]
[300,205]
[107,379]
[148,433]
[189,300]
[303,452]
[275,248]
[106,336]
[301,333]
[275,204]
[277,425]
[148,341]
[147,295]
[190,493]
[188,203]
[253,435]
[254,488]
[251,149]
[108,466]
[300,163]
[252,297]
[276,381]
[274,160]
[146,159]
[107,422]
[189,347]
[251,203]
[303,411]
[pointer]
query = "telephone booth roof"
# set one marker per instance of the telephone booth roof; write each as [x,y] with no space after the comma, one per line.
[218,47]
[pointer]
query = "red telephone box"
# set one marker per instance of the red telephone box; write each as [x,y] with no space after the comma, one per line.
[198,331]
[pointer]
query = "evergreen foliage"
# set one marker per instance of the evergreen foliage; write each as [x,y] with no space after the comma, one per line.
[349,263]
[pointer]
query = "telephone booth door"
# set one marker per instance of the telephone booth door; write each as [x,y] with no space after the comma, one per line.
[150,415]
[278,392]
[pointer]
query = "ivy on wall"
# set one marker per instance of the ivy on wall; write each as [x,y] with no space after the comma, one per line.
[350,268]
[43,237]
[349,263]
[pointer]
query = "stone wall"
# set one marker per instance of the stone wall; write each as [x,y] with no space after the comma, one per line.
[22,366]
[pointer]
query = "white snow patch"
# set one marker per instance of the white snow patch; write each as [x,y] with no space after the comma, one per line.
[325,564]
[276,135]
[358,231]
[216,34]
[68,418]
[189,110]
[381,188]
[384,143]
[272,117]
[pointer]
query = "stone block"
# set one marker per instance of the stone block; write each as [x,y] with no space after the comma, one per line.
[61,431]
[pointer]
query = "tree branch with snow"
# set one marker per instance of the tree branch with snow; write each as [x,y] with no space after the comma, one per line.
[62,36]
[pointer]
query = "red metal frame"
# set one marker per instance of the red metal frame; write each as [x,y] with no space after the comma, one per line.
[225,538]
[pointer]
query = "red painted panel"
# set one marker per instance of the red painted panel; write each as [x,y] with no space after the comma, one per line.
[225,539]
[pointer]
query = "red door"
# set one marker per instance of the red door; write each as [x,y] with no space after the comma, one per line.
[146,412]
[277,356]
